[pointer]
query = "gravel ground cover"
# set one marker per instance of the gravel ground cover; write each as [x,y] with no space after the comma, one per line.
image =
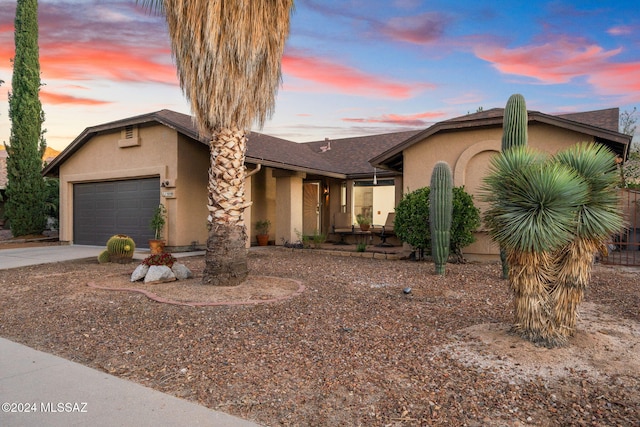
[348,348]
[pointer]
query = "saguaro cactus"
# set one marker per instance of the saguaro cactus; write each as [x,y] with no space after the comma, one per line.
[121,248]
[440,213]
[514,134]
[514,124]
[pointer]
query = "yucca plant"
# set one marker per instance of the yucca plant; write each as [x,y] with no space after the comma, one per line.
[532,214]
[597,218]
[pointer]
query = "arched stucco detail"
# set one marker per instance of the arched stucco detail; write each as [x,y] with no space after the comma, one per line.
[460,170]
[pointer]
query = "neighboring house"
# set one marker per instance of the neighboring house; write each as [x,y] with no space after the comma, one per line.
[468,142]
[113,175]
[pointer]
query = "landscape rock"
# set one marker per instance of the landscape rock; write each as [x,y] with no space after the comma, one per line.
[159,274]
[139,272]
[181,271]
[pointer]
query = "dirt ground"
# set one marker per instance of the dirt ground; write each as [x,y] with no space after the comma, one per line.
[315,340]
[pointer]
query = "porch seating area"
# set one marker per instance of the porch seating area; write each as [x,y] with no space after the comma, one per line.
[347,233]
[386,230]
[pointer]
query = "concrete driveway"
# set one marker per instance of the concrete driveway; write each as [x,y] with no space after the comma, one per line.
[21,257]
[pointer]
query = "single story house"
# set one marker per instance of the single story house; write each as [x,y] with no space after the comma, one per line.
[113,176]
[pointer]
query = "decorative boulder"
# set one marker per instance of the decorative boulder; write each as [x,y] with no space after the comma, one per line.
[181,271]
[159,274]
[139,273]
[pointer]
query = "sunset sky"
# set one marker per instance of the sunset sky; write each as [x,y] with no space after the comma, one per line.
[351,67]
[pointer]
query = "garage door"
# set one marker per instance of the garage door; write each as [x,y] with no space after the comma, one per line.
[102,209]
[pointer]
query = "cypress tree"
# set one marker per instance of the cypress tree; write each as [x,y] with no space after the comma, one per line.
[25,205]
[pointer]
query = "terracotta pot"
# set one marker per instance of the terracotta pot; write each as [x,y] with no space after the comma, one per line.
[156,246]
[365,227]
[263,239]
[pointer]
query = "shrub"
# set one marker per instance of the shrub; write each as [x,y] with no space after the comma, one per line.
[412,220]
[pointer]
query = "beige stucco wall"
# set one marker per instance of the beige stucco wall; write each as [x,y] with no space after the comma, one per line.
[189,221]
[288,205]
[263,196]
[157,154]
[159,151]
[468,154]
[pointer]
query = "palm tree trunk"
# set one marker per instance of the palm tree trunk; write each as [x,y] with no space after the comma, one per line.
[575,263]
[529,278]
[226,255]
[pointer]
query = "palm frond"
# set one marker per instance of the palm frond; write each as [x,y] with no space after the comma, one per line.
[228,57]
[156,6]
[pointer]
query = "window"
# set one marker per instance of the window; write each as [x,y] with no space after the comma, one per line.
[374,201]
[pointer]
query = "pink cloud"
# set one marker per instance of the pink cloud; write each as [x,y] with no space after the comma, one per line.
[553,62]
[346,79]
[418,29]
[397,119]
[113,62]
[122,43]
[620,30]
[619,80]
[58,98]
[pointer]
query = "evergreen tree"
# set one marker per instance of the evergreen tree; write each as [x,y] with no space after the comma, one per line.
[25,206]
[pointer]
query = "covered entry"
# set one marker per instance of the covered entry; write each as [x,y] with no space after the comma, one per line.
[102,209]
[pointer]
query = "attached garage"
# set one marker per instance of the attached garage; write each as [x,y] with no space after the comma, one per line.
[102,209]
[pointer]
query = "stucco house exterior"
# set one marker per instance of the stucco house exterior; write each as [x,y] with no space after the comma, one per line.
[112,176]
[468,142]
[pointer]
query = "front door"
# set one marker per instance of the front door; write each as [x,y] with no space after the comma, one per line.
[311,208]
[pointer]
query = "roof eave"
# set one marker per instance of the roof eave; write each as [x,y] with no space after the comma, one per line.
[281,165]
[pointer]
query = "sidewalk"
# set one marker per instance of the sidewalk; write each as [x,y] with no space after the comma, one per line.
[58,392]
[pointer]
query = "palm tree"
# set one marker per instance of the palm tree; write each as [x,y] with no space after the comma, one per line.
[598,218]
[228,56]
[532,215]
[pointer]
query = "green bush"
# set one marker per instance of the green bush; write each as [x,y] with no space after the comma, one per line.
[412,221]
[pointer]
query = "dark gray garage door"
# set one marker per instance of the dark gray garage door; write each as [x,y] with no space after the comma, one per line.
[102,209]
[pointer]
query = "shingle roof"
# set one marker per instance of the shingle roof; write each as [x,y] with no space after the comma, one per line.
[605,119]
[601,124]
[347,156]
[350,157]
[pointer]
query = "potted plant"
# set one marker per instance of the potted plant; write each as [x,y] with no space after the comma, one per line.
[156,224]
[262,229]
[363,222]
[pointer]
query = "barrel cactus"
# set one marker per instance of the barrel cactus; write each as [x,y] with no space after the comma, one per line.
[441,208]
[104,257]
[121,248]
[514,134]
